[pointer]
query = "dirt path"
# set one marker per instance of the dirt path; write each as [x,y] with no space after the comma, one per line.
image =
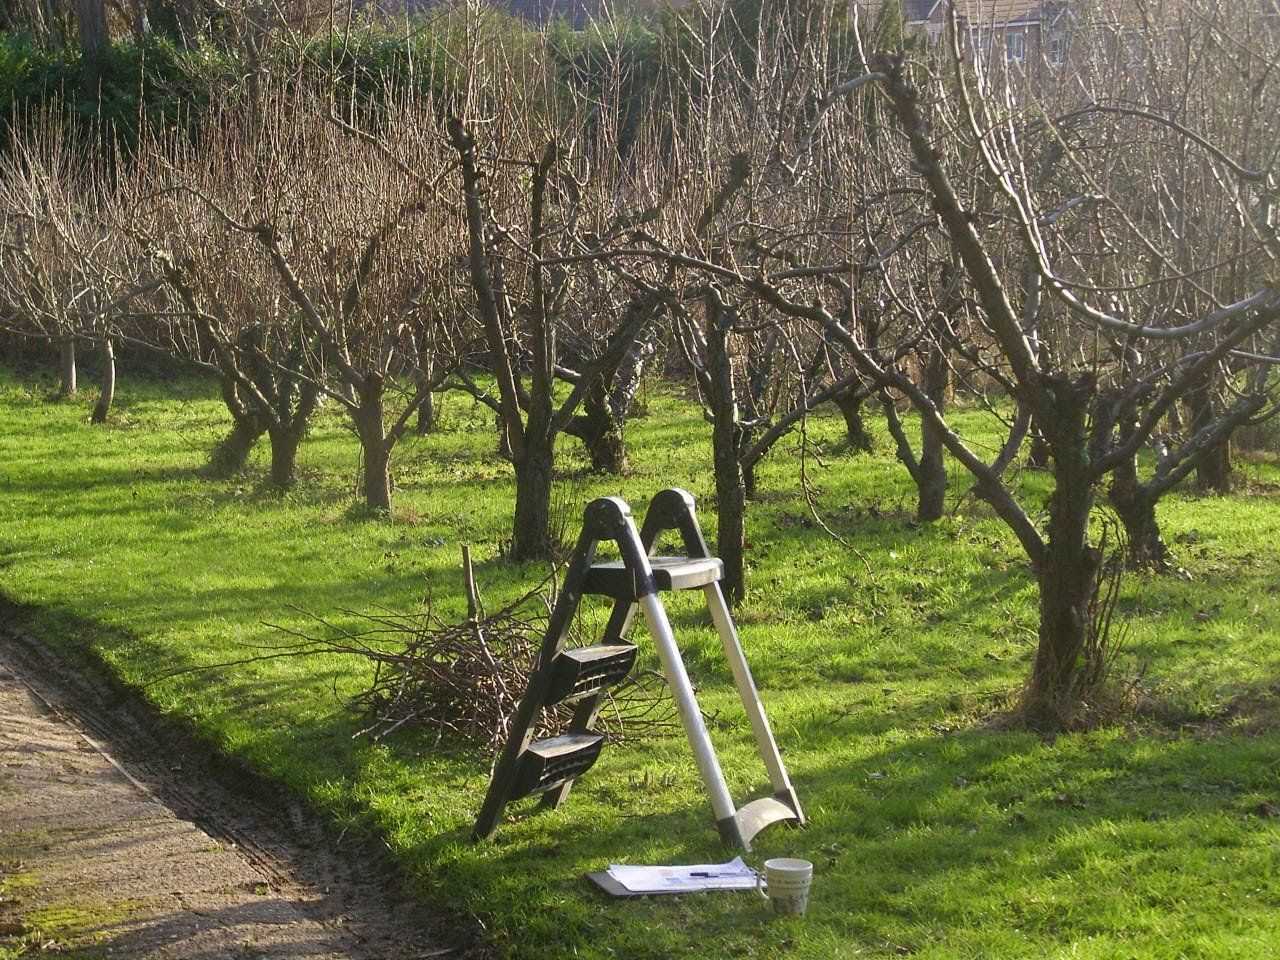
[116,843]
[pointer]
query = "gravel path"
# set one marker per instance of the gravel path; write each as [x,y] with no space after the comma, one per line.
[99,855]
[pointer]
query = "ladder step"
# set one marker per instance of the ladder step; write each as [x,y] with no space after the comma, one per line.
[548,763]
[669,573]
[587,670]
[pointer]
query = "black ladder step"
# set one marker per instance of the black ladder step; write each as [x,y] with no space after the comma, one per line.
[546,764]
[586,670]
[669,573]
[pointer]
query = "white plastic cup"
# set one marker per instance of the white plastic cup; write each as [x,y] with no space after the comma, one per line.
[785,882]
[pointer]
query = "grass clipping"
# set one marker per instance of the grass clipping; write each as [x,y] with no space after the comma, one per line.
[462,681]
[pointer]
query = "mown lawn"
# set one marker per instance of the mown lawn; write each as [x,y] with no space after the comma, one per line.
[935,833]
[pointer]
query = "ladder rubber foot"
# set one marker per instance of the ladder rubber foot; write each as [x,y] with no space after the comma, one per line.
[740,829]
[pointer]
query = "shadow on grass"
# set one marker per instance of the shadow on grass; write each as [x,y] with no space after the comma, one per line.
[907,835]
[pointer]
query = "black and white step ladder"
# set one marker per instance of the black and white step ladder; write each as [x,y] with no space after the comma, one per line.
[583,676]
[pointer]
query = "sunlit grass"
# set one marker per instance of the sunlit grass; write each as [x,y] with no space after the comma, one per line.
[1136,841]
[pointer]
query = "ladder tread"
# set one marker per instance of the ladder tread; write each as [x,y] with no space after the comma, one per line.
[597,651]
[563,744]
[613,579]
[582,671]
[545,764]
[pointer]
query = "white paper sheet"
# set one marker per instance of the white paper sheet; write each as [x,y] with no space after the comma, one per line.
[734,875]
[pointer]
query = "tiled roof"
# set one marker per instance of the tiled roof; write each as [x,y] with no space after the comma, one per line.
[984,11]
[541,11]
[993,11]
[535,11]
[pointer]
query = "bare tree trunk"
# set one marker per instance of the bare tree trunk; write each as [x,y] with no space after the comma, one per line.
[138,19]
[531,533]
[376,452]
[504,441]
[726,451]
[1136,508]
[600,431]
[377,478]
[231,455]
[731,511]
[748,476]
[1068,579]
[1213,471]
[427,414]
[856,435]
[95,38]
[284,457]
[1214,474]
[107,395]
[67,356]
[931,481]
[931,485]
[1038,456]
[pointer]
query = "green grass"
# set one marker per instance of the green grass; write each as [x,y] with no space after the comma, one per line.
[934,833]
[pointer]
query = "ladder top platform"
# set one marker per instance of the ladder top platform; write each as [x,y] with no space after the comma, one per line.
[669,573]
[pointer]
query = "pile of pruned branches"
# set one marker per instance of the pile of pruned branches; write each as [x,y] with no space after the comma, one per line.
[461,681]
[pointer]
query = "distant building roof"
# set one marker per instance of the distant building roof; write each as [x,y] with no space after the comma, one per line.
[535,11]
[994,11]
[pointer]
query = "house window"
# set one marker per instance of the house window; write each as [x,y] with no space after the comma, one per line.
[982,45]
[1015,47]
[1057,50]
[1134,48]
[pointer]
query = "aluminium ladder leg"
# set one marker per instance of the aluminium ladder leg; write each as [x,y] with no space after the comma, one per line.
[695,727]
[674,509]
[778,779]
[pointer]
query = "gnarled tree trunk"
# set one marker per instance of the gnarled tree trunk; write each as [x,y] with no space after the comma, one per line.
[426,414]
[67,367]
[600,431]
[1038,455]
[856,435]
[931,480]
[1067,577]
[231,455]
[1214,472]
[1067,569]
[374,446]
[531,532]
[284,456]
[107,393]
[929,471]
[726,450]
[731,528]
[95,37]
[1135,505]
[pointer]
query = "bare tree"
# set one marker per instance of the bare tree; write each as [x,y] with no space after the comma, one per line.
[294,256]
[1095,397]
[64,275]
[538,187]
